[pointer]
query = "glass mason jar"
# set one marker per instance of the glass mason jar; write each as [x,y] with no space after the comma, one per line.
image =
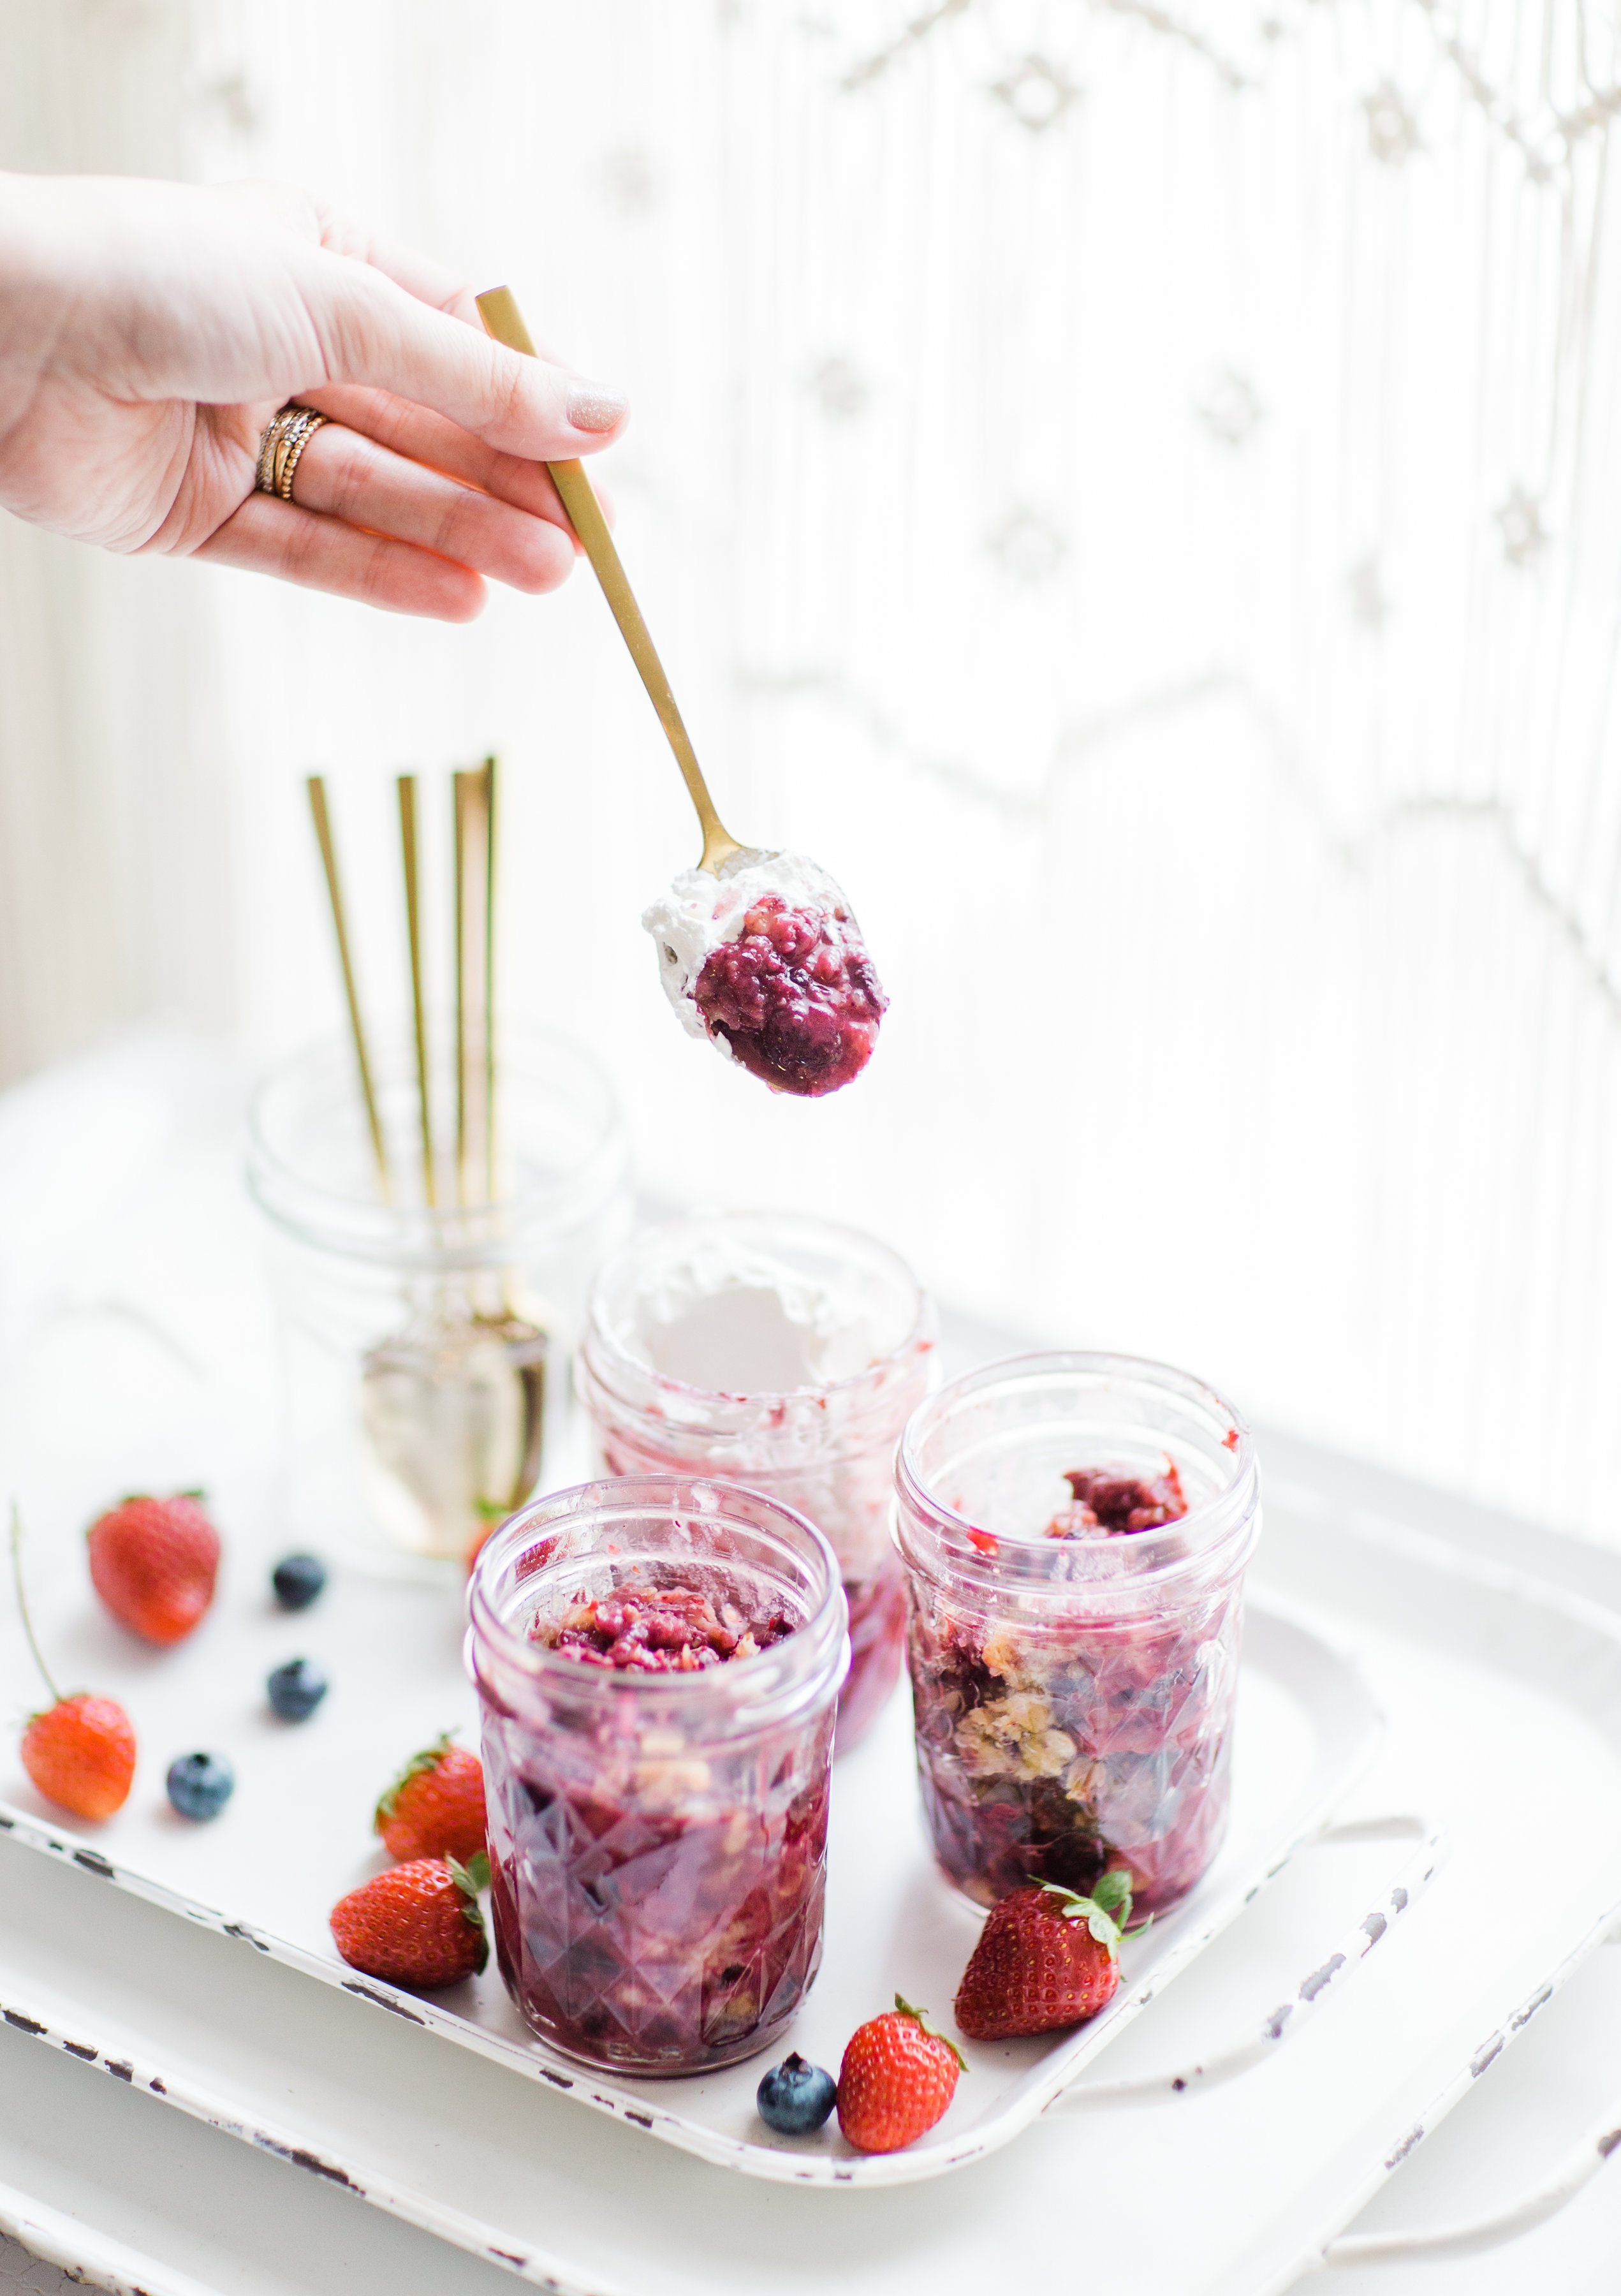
[783,1352]
[658,1841]
[1073,1639]
[421,1344]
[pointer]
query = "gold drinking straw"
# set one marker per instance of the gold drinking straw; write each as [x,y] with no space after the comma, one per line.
[317,787]
[406,785]
[472,889]
[490,819]
[459,798]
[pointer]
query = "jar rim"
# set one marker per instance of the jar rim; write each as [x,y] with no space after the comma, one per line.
[920,1336]
[362,1225]
[1154,1553]
[817,1636]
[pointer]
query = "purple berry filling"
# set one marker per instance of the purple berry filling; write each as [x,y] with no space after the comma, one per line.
[667,1629]
[794,996]
[1051,1752]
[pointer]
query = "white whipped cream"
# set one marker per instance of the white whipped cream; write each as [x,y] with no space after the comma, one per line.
[701,911]
[726,1317]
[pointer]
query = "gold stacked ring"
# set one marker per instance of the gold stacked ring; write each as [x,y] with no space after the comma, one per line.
[285,437]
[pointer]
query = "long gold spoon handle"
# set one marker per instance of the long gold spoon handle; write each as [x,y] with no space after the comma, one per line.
[363,1060]
[504,321]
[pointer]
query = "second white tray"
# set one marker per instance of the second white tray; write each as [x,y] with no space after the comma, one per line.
[1504,1704]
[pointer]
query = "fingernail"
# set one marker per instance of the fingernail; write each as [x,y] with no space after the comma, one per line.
[593,407]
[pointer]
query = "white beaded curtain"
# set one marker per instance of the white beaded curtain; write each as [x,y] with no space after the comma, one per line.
[1137,490]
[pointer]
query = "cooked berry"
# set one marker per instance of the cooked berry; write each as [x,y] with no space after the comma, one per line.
[1115,1504]
[796,2097]
[200,1785]
[295,1689]
[297,1580]
[794,996]
[659,1630]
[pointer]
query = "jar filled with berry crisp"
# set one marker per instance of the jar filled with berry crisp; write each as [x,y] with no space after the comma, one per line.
[1075,1529]
[783,1352]
[658,1663]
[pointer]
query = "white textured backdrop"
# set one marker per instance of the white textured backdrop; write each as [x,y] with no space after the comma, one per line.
[1136,489]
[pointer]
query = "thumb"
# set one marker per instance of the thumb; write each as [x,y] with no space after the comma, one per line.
[373,331]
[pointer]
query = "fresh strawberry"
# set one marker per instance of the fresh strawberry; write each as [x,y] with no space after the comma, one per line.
[416,1924]
[1045,1958]
[81,1755]
[896,2079]
[435,1808]
[80,1751]
[152,1561]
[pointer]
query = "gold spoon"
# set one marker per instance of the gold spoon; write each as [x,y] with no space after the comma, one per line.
[317,787]
[721,853]
[453,1405]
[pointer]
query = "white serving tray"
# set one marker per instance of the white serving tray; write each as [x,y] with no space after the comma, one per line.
[294,1839]
[1500,1696]
[150,1363]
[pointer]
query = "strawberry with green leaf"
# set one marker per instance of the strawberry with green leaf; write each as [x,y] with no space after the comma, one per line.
[1046,1958]
[435,1808]
[896,2079]
[417,1924]
[80,1751]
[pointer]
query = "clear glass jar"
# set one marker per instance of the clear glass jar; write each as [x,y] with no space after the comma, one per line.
[424,1349]
[658,1841]
[780,1351]
[1074,1688]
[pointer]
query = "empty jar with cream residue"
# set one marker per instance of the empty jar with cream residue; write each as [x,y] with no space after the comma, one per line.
[783,1352]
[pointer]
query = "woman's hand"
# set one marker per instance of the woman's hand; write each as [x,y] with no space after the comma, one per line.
[149,331]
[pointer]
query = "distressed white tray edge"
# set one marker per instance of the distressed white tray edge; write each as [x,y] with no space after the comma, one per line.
[97,2259]
[471,2233]
[1336,1776]
[1330,2248]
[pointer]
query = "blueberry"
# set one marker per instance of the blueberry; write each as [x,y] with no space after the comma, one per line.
[200,1785]
[795,2097]
[295,1689]
[297,1580]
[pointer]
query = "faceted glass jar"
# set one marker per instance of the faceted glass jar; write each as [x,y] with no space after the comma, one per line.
[1074,1694]
[425,1347]
[783,1352]
[658,1841]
